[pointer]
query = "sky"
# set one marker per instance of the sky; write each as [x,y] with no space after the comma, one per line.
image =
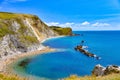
[77,14]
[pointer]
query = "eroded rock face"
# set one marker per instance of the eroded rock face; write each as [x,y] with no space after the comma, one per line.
[21,33]
[17,44]
[101,71]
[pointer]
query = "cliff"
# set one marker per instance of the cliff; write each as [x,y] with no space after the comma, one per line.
[62,31]
[22,33]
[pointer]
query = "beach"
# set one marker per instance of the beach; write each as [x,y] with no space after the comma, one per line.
[5,61]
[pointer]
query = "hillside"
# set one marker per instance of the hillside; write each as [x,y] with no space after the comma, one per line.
[62,31]
[108,77]
[10,77]
[22,33]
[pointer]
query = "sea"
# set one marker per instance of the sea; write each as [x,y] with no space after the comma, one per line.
[66,61]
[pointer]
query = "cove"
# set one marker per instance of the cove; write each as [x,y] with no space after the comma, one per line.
[66,61]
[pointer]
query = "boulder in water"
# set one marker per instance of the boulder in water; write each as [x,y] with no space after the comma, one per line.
[98,70]
[101,71]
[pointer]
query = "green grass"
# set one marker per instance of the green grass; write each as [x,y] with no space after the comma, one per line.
[4,30]
[23,29]
[7,15]
[10,77]
[24,37]
[108,77]
[73,77]
[28,39]
[6,27]
[62,31]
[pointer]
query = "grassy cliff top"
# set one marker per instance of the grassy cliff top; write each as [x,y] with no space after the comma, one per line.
[6,25]
[62,31]
[7,15]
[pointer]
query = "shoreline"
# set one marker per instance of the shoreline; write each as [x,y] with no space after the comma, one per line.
[14,58]
[51,38]
[7,60]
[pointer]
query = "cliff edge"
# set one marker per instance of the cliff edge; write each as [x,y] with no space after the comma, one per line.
[22,33]
[62,31]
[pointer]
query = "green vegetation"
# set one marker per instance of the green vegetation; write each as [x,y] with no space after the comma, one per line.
[28,39]
[73,77]
[108,77]
[24,37]
[7,15]
[24,34]
[4,30]
[62,31]
[22,29]
[10,77]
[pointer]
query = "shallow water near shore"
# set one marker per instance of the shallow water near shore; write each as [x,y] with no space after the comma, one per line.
[67,61]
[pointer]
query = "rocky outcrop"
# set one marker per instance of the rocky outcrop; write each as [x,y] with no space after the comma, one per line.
[98,70]
[62,31]
[83,51]
[22,33]
[101,71]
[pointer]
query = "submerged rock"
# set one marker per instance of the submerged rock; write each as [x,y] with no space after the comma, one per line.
[101,71]
[24,62]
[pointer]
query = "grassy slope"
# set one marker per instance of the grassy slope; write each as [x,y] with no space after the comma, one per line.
[62,31]
[108,77]
[6,29]
[10,77]
[7,15]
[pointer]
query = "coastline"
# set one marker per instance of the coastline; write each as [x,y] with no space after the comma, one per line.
[7,60]
[51,38]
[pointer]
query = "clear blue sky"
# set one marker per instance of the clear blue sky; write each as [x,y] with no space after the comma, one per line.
[78,14]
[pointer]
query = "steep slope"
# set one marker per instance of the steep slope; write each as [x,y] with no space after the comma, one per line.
[21,33]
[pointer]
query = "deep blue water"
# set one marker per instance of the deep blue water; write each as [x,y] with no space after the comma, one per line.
[60,64]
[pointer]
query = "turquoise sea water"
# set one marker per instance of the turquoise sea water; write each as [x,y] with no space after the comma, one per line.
[67,61]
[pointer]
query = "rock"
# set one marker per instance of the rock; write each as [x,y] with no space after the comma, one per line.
[111,69]
[24,62]
[98,70]
[22,33]
[101,71]
[18,45]
[83,51]
[5,53]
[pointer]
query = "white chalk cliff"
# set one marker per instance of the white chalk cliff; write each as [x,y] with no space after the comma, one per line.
[22,33]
